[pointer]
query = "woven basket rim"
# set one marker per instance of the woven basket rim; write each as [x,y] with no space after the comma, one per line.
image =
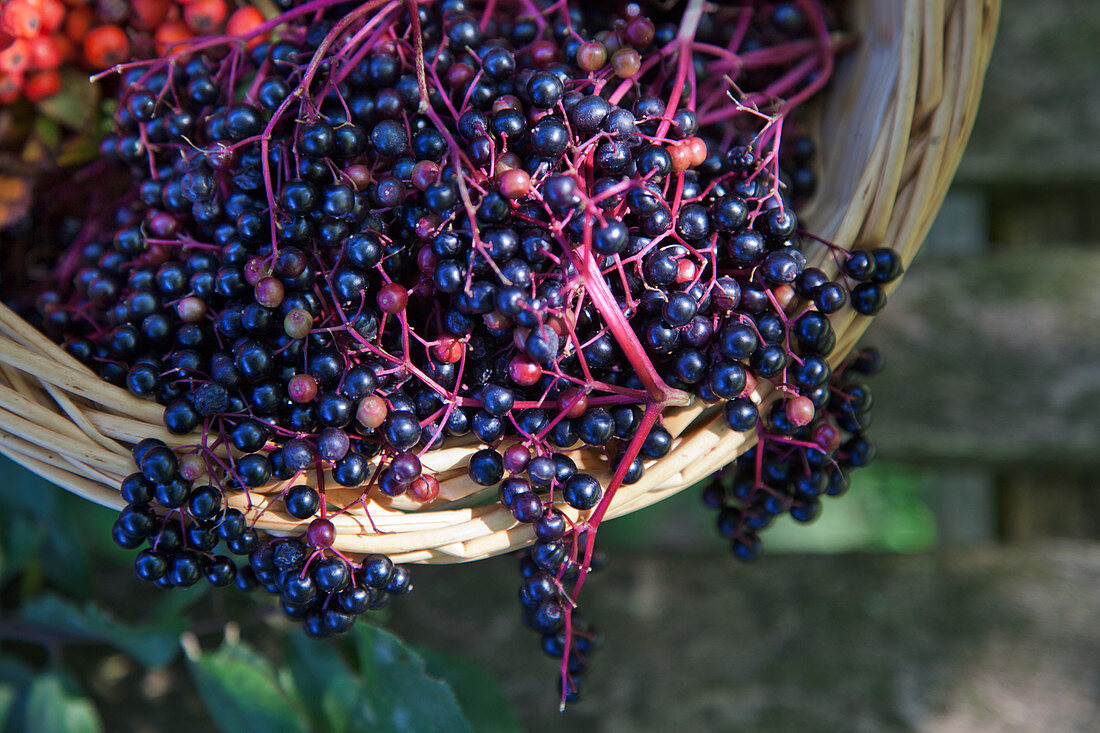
[58,419]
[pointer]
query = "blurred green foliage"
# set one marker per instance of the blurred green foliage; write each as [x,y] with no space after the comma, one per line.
[70,610]
[76,625]
[887,509]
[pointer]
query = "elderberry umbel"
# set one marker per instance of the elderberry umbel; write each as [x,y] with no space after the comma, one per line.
[393,226]
[803,454]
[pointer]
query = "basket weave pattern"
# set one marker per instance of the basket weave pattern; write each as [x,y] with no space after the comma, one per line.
[891,132]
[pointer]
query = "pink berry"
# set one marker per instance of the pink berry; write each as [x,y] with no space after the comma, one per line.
[800,411]
[574,401]
[321,533]
[192,466]
[524,371]
[448,350]
[827,436]
[515,183]
[372,411]
[270,292]
[256,269]
[191,309]
[301,388]
[298,323]
[392,298]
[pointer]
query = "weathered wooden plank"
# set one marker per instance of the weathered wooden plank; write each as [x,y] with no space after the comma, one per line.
[1034,505]
[975,640]
[1038,119]
[994,359]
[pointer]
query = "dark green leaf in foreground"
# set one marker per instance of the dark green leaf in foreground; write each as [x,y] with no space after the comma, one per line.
[240,691]
[408,699]
[153,647]
[331,693]
[479,695]
[14,679]
[51,708]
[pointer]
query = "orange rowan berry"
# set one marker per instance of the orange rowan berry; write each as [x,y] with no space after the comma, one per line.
[16,58]
[78,23]
[66,50]
[106,46]
[20,19]
[205,16]
[147,15]
[171,34]
[53,15]
[42,84]
[44,53]
[242,21]
[11,87]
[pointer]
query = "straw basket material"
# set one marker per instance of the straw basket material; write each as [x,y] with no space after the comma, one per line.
[891,131]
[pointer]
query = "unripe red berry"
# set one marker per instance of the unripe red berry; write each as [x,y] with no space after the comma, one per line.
[270,292]
[448,350]
[392,298]
[640,32]
[524,371]
[301,388]
[106,46]
[800,411]
[321,533]
[298,323]
[515,183]
[626,62]
[574,401]
[372,411]
[591,56]
[191,309]
[424,489]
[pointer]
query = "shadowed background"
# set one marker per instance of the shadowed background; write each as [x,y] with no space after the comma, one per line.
[954,588]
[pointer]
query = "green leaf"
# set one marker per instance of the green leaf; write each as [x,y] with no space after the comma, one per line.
[75,104]
[47,132]
[26,492]
[153,647]
[65,562]
[481,698]
[406,697]
[332,695]
[80,149]
[14,672]
[241,693]
[40,521]
[51,708]
[8,695]
[14,678]
[21,541]
[170,607]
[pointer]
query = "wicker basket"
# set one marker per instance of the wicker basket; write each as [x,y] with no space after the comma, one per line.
[892,130]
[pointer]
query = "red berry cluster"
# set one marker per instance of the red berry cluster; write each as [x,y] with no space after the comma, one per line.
[32,47]
[37,37]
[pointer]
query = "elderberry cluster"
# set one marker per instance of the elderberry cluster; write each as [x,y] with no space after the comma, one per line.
[403,226]
[323,590]
[792,467]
